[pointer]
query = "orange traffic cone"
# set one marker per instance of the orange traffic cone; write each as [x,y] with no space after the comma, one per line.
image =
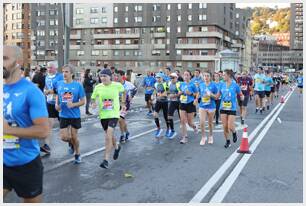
[244,146]
[282,100]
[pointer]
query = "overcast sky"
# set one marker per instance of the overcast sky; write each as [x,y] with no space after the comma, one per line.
[271,5]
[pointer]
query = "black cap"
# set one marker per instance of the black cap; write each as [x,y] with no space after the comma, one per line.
[106,72]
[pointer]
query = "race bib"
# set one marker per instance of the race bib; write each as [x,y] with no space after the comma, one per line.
[183,98]
[206,100]
[67,97]
[108,104]
[10,142]
[227,105]
[50,97]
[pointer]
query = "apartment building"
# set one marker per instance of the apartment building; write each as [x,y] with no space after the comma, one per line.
[296,26]
[17,29]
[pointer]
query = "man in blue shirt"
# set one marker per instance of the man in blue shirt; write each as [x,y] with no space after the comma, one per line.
[51,80]
[25,120]
[148,84]
[259,82]
[300,82]
[70,96]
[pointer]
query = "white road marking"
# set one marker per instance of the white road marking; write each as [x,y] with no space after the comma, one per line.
[228,183]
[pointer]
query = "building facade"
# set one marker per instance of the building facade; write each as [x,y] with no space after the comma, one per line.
[47,33]
[17,29]
[282,38]
[150,36]
[296,26]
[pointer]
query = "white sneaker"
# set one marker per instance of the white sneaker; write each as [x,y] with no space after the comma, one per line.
[210,140]
[203,140]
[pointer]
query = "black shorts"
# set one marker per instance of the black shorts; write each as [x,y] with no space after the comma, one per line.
[228,112]
[261,94]
[161,105]
[53,113]
[267,93]
[74,122]
[301,87]
[189,108]
[244,102]
[272,89]
[112,122]
[148,97]
[26,180]
[172,107]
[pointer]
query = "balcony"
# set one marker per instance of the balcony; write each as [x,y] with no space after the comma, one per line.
[109,46]
[198,58]
[159,46]
[159,34]
[196,46]
[227,39]
[75,36]
[237,45]
[204,34]
[116,36]
[73,47]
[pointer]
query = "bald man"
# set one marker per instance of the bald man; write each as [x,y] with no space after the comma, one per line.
[25,121]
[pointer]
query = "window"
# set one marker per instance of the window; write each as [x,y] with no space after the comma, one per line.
[138,8]
[203,5]
[168,29]
[189,6]
[19,16]
[94,10]
[95,53]
[51,43]
[156,18]
[155,52]
[168,41]
[83,63]
[189,17]
[168,18]
[128,41]
[203,65]
[117,41]
[178,52]
[168,6]
[94,20]
[40,53]
[237,33]
[116,9]
[127,53]
[202,17]
[40,13]
[105,53]
[126,19]
[203,52]
[40,33]
[167,52]
[79,11]
[40,43]
[80,53]
[52,33]
[203,28]
[179,18]
[78,21]
[51,22]
[189,64]
[117,31]
[19,35]
[138,19]
[92,63]
[116,53]
[178,29]
[156,7]
[104,20]
[190,29]
[115,20]
[52,12]
[41,22]
[179,6]
[237,16]
[126,8]
[103,10]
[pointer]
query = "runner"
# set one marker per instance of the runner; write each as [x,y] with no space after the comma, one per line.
[229,91]
[268,85]
[160,92]
[109,106]
[174,88]
[180,78]
[52,78]
[148,84]
[130,92]
[277,80]
[25,120]
[88,85]
[188,102]
[300,82]
[245,84]
[218,83]
[259,88]
[70,97]
[272,88]
[207,94]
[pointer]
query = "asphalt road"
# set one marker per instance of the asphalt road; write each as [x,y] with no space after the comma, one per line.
[174,173]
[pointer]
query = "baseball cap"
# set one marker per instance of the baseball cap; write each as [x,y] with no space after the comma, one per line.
[159,75]
[106,72]
[173,75]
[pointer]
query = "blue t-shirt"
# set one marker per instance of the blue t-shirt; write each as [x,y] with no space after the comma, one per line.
[259,82]
[23,102]
[73,92]
[51,83]
[197,81]
[166,78]
[218,85]
[300,81]
[207,102]
[191,87]
[229,96]
[149,81]
[268,84]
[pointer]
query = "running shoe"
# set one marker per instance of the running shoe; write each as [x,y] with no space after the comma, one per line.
[203,141]
[158,132]
[227,144]
[150,113]
[122,139]
[260,111]
[184,140]
[104,164]
[167,133]
[195,129]
[70,149]
[242,121]
[234,137]
[172,134]
[45,149]
[268,107]
[256,111]
[127,134]
[77,159]
[116,153]
[210,140]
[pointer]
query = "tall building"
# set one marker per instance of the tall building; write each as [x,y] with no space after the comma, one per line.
[148,36]
[17,29]
[296,26]
[47,33]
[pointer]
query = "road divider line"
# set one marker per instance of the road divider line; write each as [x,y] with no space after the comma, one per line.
[208,186]
[230,180]
[96,151]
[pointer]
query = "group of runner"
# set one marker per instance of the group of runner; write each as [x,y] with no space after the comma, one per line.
[29,113]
